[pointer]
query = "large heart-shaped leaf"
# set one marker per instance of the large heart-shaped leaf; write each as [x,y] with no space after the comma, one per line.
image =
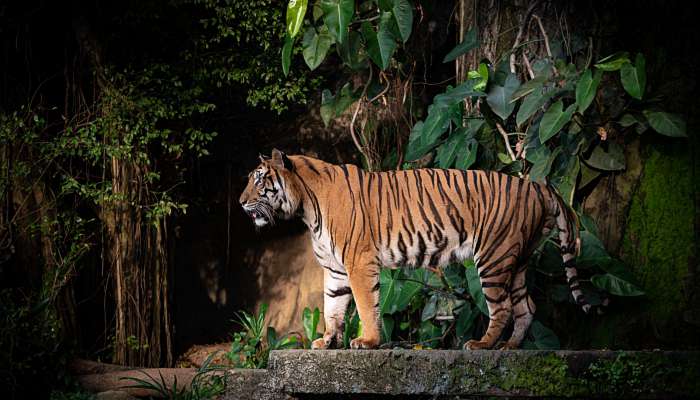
[403,16]
[634,77]
[586,89]
[295,16]
[470,42]
[615,285]
[448,151]
[381,44]
[389,287]
[531,103]
[424,135]
[528,87]
[467,157]
[315,46]
[554,120]
[336,16]
[612,159]
[666,124]
[499,97]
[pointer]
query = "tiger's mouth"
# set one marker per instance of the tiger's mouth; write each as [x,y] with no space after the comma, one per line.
[260,213]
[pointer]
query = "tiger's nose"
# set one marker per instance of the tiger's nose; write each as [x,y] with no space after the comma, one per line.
[243,199]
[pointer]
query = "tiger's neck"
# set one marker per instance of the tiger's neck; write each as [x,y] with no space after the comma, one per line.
[313,180]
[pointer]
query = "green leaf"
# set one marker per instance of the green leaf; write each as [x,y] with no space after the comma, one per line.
[528,87]
[593,252]
[634,77]
[666,124]
[470,42]
[588,174]
[315,46]
[429,333]
[467,158]
[381,44]
[482,75]
[586,89]
[543,337]
[542,166]
[327,107]
[448,151]
[455,95]
[287,54]
[409,289]
[499,97]
[533,102]
[349,51]
[554,120]
[403,15]
[615,285]
[387,328]
[295,16]
[465,321]
[336,16]
[613,62]
[388,290]
[424,135]
[475,286]
[430,308]
[310,322]
[611,160]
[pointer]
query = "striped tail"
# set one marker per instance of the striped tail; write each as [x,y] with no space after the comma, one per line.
[570,247]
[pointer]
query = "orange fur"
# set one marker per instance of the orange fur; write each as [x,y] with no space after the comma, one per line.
[361,221]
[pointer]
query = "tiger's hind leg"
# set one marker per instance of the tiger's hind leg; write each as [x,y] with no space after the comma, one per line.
[523,308]
[495,277]
[336,297]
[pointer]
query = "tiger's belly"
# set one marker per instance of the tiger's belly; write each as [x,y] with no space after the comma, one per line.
[427,250]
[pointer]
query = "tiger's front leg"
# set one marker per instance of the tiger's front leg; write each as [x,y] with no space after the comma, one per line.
[364,281]
[336,297]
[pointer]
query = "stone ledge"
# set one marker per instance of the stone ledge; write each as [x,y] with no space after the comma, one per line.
[454,373]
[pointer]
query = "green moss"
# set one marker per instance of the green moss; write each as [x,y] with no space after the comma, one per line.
[543,376]
[642,373]
[659,239]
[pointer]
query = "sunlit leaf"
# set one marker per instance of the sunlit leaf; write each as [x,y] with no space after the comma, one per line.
[295,16]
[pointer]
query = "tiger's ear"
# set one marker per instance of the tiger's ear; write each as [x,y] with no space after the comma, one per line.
[263,157]
[281,161]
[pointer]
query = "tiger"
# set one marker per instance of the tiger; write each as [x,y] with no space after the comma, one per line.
[362,221]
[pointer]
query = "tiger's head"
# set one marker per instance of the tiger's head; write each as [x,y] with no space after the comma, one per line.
[270,191]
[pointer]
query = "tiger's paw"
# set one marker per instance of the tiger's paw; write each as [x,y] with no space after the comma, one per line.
[321,343]
[507,346]
[476,345]
[362,343]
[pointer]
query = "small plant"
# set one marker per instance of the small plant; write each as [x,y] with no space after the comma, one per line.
[248,349]
[310,322]
[206,384]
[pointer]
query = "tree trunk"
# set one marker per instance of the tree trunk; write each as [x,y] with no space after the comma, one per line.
[135,242]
